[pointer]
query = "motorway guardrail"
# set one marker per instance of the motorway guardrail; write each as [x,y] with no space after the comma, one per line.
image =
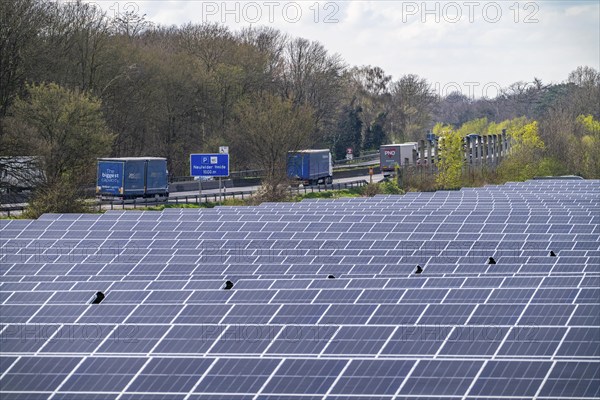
[196,199]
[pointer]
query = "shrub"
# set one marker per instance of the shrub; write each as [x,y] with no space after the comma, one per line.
[371,190]
[61,197]
[390,187]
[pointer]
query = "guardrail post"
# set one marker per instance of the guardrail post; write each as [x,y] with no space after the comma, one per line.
[429,153]
[499,147]
[495,148]
[490,148]
[484,152]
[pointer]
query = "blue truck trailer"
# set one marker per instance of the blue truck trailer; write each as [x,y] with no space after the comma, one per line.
[310,166]
[130,177]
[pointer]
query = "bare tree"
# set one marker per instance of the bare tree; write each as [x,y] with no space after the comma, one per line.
[313,77]
[21,21]
[209,42]
[268,127]
[412,104]
[130,24]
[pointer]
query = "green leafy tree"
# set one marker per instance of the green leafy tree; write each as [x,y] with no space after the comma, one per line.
[375,135]
[450,150]
[349,131]
[478,126]
[590,146]
[526,154]
[440,129]
[65,130]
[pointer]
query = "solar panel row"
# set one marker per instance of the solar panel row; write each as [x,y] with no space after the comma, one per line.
[525,327]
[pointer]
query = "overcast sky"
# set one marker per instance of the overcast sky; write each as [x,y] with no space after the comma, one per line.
[473,45]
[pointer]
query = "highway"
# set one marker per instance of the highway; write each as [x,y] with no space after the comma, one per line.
[194,193]
[376,178]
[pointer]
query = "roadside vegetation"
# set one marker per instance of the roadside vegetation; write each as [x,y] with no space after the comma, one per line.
[530,154]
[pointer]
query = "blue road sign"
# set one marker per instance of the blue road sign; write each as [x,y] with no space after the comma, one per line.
[209,165]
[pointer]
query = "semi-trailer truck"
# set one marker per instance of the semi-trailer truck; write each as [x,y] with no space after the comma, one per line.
[391,155]
[310,166]
[130,177]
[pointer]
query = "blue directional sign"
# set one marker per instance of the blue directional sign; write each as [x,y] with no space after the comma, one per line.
[209,165]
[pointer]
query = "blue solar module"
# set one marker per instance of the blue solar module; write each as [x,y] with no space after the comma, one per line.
[234,339]
[580,342]
[116,374]
[302,340]
[306,376]
[358,340]
[133,339]
[511,378]
[325,302]
[372,377]
[532,341]
[574,380]
[434,377]
[172,375]
[69,339]
[474,340]
[301,314]
[414,340]
[37,374]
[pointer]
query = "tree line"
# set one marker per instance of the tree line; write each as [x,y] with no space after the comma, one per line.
[170,91]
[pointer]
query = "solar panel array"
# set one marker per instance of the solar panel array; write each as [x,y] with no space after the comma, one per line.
[325,302]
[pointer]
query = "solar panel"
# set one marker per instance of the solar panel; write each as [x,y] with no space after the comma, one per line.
[526,326]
